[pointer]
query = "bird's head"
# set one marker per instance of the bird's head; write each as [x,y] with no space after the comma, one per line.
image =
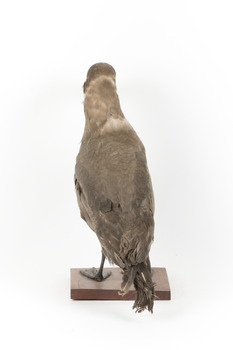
[97,70]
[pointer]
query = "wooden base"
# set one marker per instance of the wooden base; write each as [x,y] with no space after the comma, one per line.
[83,288]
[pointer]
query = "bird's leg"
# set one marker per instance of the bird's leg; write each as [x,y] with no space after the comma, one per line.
[148,264]
[97,275]
[101,275]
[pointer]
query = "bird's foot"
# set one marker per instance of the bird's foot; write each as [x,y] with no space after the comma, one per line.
[96,275]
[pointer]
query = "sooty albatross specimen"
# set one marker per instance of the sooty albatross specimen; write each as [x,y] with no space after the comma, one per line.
[113,187]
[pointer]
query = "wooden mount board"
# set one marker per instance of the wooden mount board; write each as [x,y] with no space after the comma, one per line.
[83,288]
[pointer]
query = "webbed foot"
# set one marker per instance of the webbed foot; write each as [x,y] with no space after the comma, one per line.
[95,274]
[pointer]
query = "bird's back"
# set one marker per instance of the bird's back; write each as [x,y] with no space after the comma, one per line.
[115,193]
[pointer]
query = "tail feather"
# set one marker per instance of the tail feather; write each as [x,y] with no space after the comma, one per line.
[140,276]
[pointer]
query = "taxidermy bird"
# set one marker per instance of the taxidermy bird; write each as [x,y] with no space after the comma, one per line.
[113,187]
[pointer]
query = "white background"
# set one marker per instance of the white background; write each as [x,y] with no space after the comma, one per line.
[174,75]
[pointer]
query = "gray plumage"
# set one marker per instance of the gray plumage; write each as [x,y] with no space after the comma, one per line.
[113,185]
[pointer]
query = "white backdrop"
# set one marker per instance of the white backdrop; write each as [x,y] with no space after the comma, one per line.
[174,75]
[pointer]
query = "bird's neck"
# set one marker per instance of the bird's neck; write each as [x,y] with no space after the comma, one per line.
[100,104]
